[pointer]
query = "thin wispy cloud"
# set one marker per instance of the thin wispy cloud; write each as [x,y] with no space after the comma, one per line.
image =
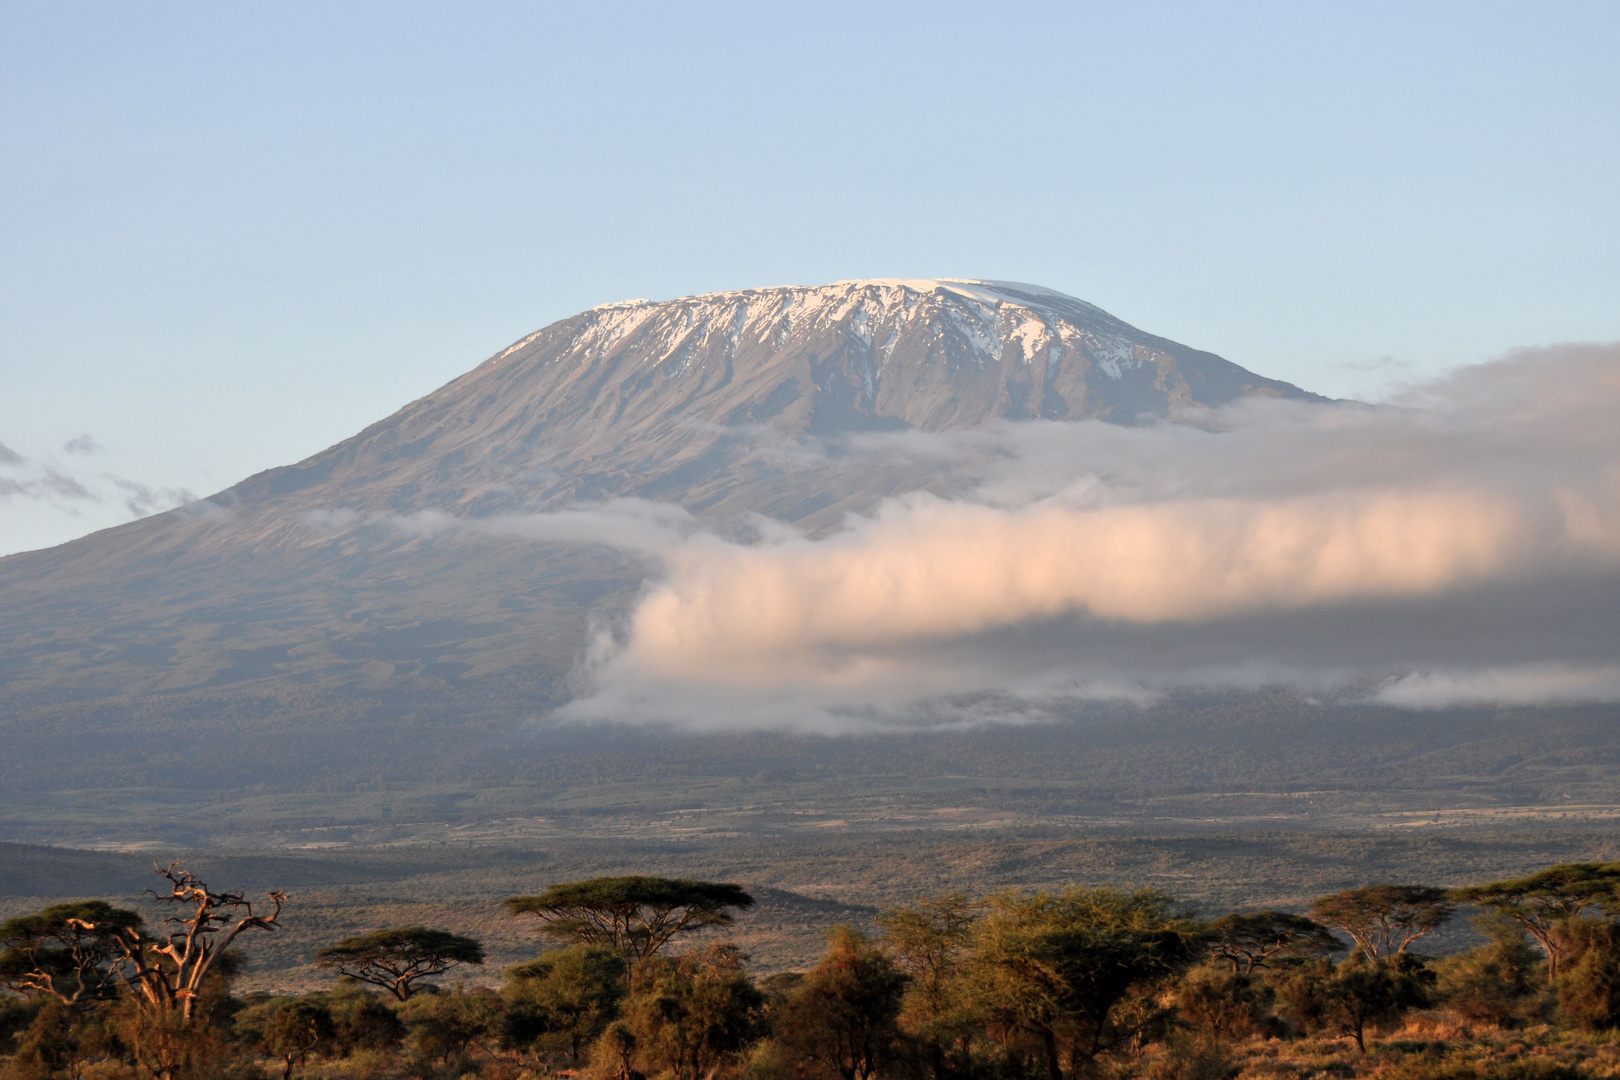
[141,500]
[69,491]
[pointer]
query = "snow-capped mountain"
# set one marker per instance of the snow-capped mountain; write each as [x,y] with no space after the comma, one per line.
[661,399]
[298,593]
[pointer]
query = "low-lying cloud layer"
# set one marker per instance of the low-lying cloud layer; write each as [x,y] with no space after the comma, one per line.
[1460,545]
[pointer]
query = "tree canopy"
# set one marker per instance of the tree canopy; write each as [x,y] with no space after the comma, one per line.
[1056,965]
[397,959]
[638,915]
[1251,940]
[565,997]
[1384,920]
[1541,902]
[71,952]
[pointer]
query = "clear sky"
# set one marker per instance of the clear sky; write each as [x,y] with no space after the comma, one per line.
[233,234]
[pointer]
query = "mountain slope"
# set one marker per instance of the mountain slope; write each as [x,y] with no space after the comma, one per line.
[318,595]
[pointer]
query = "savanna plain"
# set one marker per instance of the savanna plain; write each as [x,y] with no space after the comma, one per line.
[1055,900]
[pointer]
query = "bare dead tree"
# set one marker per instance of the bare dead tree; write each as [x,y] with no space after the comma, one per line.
[167,970]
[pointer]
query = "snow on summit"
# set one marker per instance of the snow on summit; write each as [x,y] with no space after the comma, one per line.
[696,400]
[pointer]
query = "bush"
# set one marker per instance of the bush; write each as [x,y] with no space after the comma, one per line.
[841,1019]
[362,1022]
[1190,1058]
[288,1029]
[448,1027]
[48,1046]
[1589,987]
[1354,996]
[1224,1004]
[563,1001]
[687,1017]
[15,1016]
[1496,983]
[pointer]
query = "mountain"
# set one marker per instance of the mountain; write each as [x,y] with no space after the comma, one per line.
[304,616]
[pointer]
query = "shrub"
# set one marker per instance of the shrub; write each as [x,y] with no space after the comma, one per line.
[1589,986]
[1496,983]
[1223,1004]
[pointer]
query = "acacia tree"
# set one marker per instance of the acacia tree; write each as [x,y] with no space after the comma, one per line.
[638,915]
[70,952]
[839,1023]
[1544,901]
[1055,966]
[689,1015]
[1384,920]
[1252,940]
[288,1029]
[396,959]
[566,997]
[930,943]
[168,969]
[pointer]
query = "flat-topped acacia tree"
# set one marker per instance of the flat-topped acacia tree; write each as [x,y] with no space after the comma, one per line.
[1248,940]
[1384,920]
[1544,902]
[638,915]
[396,959]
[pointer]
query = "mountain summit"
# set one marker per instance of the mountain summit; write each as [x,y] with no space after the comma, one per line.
[643,398]
[328,600]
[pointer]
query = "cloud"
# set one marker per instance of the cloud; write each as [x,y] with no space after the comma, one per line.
[640,526]
[59,484]
[1524,684]
[84,444]
[67,491]
[143,501]
[48,484]
[1458,545]
[926,568]
[1475,521]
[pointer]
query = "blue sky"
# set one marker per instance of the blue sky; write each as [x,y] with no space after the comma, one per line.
[235,234]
